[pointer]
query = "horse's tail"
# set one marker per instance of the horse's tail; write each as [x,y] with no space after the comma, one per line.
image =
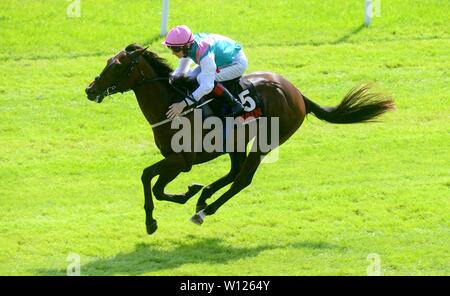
[359,105]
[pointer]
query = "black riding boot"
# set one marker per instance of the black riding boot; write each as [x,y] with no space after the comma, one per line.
[236,105]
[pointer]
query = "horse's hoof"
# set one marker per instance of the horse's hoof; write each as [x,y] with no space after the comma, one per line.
[200,207]
[194,188]
[152,227]
[198,218]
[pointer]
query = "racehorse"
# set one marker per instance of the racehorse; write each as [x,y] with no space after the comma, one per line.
[148,75]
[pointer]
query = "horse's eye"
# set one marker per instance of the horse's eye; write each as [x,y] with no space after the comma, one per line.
[97,78]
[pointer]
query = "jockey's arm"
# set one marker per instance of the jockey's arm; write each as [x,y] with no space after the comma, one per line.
[183,67]
[205,78]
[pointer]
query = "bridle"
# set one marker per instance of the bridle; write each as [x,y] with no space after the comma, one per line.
[127,72]
[129,69]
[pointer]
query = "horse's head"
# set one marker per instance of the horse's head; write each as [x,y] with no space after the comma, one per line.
[119,75]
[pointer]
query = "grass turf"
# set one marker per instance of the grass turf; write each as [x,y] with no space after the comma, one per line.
[70,169]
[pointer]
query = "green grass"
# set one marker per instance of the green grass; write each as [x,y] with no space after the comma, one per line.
[70,169]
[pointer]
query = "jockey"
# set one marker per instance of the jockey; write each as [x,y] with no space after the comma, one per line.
[218,58]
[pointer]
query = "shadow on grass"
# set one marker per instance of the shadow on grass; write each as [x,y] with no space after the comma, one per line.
[348,35]
[149,258]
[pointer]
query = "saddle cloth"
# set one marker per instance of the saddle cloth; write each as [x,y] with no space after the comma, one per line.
[242,90]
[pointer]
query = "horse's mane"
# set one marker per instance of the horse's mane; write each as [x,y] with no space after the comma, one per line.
[163,69]
[158,64]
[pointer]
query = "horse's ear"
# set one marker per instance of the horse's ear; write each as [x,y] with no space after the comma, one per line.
[135,54]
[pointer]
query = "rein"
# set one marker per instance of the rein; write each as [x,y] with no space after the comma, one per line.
[128,70]
[181,114]
[179,91]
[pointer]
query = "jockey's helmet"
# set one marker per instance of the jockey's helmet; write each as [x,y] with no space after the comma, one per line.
[179,36]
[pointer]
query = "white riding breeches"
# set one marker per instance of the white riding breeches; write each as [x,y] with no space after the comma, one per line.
[207,72]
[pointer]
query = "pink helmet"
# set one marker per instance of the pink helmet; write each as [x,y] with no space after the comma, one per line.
[179,36]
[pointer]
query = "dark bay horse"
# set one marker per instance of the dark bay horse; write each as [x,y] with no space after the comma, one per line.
[147,75]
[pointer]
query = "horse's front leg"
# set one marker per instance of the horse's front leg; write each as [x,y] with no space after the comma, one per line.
[167,169]
[146,178]
[165,177]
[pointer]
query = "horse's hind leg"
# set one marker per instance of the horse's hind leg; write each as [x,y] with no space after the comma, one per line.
[237,158]
[242,180]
